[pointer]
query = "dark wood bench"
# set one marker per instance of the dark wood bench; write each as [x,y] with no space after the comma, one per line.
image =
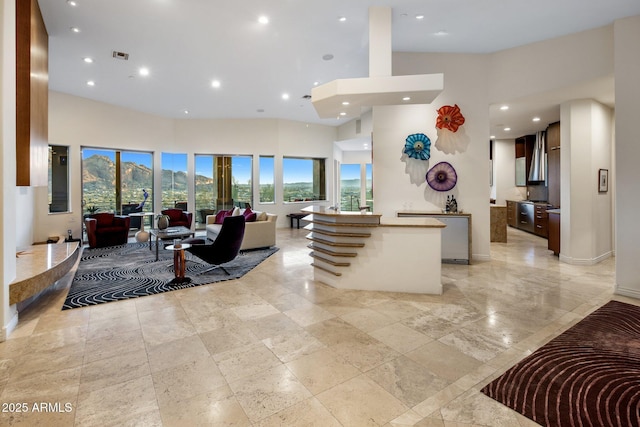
[297,216]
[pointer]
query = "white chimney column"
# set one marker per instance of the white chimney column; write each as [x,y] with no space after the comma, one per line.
[379,41]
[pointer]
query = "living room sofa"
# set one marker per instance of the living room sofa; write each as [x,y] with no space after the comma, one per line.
[260,233]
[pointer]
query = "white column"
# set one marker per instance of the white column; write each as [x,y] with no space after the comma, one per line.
[8,314]
[627,155]
[379,41]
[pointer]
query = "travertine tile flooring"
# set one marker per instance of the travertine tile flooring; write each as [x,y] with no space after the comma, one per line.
[276,348]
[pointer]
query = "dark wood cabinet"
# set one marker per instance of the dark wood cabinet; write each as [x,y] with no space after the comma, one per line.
[512,213]
[554,232]
[553,164]
[540,220]
[524,148]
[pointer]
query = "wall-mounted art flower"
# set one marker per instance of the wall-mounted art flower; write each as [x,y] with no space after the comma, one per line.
[418,146]
[451,134]
[449,118]
[442,177]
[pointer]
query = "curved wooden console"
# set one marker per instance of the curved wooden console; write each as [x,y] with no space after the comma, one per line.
[353,250]
[39,266]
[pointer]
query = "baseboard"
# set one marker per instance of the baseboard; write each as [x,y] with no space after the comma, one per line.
[6,330]
[632,293]
[587,261]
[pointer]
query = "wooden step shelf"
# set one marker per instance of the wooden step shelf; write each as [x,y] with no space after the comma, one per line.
[328,261]
[335,273]
[337,233]
[337,244]
[337,254]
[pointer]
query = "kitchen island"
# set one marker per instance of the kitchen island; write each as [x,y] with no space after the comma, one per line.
[365,251]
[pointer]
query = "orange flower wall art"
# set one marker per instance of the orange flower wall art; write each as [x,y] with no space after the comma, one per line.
[451,134]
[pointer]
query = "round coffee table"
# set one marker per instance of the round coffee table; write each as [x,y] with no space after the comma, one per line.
[179,262]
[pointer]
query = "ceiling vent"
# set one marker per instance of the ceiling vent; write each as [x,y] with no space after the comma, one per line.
[306,96]
[120,55]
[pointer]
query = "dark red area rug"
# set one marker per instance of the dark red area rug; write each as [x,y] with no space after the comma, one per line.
[588,376]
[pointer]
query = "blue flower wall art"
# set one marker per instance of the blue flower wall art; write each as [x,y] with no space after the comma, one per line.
[418,146]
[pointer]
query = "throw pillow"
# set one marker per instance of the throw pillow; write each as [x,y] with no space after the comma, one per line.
[261,216]
[235,211]
[220,216]
[249,216]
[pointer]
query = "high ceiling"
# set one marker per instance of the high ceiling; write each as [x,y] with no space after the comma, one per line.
[188,44]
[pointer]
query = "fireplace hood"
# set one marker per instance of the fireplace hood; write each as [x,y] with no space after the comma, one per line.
[538,171]
[347,97]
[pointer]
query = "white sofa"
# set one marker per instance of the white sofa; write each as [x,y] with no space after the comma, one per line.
[257,234]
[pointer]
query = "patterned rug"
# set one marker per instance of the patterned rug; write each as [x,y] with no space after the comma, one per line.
[588,376]
[130,271]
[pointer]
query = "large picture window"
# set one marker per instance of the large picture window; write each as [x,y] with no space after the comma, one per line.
[174,181]
[115,181]
[221,182]
[58,188]
[303,179]
[267,180]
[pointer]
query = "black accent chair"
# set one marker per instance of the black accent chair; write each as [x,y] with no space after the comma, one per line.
[130,208]
[225,248]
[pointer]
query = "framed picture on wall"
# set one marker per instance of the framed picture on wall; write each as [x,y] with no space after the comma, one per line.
[603,180]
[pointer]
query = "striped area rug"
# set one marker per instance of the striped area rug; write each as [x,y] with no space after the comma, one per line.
[588,376]
[131,271]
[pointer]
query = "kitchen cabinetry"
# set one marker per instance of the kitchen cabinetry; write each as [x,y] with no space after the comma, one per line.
[540,220]
[528,216]
[553,164]
[512,213]
[554,231]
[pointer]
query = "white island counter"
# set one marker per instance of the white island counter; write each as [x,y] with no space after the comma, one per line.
[365,251]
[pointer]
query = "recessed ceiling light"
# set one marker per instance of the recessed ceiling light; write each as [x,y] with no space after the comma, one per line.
[72,3]
[343,114]
[507,129]
[186,111]
[91,83]
[419,17]
[345,103]
[285,96]
[215,83]
[316,83]
[536,119]
[342,19]
[504,107]
[492,137]
[441,33]
[74,29]
[406,98]
[144,71]
[263,20]
[88,60]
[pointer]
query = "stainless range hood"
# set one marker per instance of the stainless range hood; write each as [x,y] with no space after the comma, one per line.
[538,171]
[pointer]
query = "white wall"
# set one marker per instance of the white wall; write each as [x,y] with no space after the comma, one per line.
[465,78]
[586,220]
[77,122]
[9,226]
[504,178]
[627,156]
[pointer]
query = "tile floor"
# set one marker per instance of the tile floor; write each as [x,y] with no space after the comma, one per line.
[276,348]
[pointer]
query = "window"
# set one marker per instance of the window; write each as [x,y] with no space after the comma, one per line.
[58,187]
[112,178]
[303,179]
[221,182]
[350,187]
[174,181]
[267,191]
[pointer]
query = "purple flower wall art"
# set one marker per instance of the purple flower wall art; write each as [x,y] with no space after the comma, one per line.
[442,177]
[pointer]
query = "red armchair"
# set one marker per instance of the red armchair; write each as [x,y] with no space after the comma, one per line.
[106,229]
[178,217]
